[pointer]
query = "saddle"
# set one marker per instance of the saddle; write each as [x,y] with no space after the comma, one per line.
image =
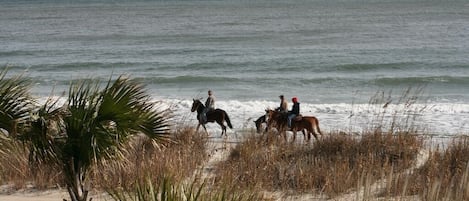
[298,118]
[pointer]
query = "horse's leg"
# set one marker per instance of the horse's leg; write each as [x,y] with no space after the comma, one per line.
[223,130]
[223,127]
[305,138]
[206,132]
[197,129]
[284,132]
[314,134]
[294,130]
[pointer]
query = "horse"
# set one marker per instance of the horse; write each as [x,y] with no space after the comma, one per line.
[261,120]
[308,123]
[278,120]
[217,115]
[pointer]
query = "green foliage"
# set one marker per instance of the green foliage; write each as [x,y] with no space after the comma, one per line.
[169,191]
[93,124]
[15,102]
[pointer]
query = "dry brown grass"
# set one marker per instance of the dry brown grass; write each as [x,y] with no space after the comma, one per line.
[338,163]
[18,173]
[332,165]
[445,176]
[175,160]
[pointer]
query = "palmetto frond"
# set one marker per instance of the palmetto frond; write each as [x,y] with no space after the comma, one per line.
[15,102]
[45,132]
[91,125]
[99,122]
[133,109]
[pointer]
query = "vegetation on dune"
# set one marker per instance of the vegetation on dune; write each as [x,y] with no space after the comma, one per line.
[331,166]
[175,161]
[94,124]
[444,176]
[334,164]
[170,191]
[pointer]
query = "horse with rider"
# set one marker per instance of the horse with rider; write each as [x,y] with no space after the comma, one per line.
[289,120]
[208,114]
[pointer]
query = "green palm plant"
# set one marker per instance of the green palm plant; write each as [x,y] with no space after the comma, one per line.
[92,125]
[15,102]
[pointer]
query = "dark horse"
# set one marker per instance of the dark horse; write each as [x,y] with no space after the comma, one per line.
[308,123]
[217,115]
[262,119]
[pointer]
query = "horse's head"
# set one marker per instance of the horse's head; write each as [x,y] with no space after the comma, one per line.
[196,104]
[270,113]
[275,116]
[259,122]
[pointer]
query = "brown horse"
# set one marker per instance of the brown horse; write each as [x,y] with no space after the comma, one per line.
[308,123]
[217,115]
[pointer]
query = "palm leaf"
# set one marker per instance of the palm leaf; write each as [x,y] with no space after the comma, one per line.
[92,125]
[131,111]
[15,102]
[45,132]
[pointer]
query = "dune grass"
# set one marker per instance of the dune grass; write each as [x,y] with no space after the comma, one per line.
[444,176]
[176,160]
[338,163]
[330,166]
[18,172]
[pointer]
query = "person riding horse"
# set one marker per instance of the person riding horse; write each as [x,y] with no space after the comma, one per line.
[283,105]
[278,120]
[209,106]
[294,112]
[218,115]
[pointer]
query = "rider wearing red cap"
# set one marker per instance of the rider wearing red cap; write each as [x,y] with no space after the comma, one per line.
[295,111]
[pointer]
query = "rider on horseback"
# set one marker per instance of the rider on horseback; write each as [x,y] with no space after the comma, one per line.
[209,106]
[295,110]
[283,105]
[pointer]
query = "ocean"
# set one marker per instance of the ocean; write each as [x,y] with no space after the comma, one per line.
[336,56]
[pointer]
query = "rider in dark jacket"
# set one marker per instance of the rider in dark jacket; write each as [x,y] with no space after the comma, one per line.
[295,111]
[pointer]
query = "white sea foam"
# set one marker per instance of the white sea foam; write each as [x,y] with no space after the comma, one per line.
[436,119]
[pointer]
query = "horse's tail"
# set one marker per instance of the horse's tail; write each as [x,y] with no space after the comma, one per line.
[227,119]
[317,125]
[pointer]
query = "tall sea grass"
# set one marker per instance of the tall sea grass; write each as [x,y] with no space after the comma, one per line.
[445,175]
[170,191]
[18,172]
[336,163]
[176,160]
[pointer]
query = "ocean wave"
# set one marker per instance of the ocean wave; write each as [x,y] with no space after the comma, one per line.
[211,65]
[461,80]
[374,67]
[189,79]
[439,119]
[16,53]
[85,66]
